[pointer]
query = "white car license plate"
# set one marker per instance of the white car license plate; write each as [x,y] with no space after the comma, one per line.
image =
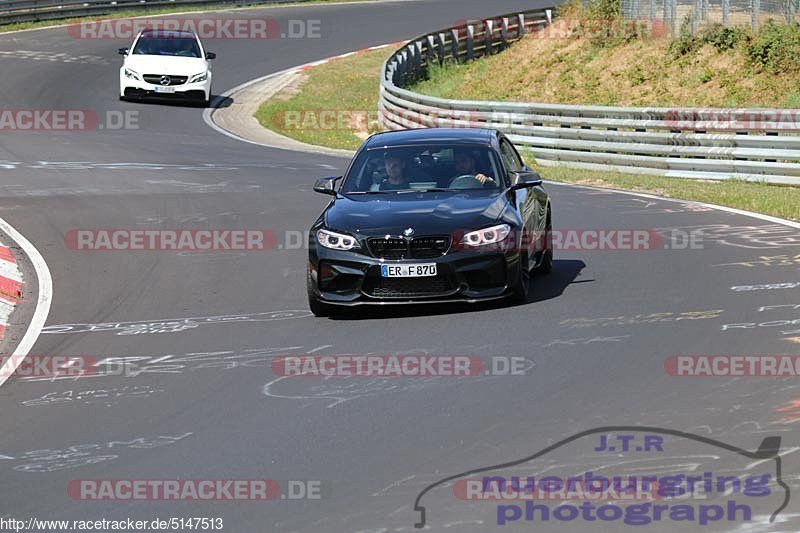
[166,90]
[408,271]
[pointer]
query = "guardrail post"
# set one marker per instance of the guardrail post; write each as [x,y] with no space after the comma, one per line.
[504,33]
[489,25]
[404,66]
[430,51]
[726,9]
[470,41]
[440,47]
[521,22]
[414,52]
[454,44]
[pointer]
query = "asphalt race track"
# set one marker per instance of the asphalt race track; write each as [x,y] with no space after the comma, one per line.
[594,334]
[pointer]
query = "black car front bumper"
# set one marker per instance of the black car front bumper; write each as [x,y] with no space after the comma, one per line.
[352,278]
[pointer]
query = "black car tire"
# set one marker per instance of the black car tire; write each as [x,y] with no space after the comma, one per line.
[546,264]
[519,293]
[320,309]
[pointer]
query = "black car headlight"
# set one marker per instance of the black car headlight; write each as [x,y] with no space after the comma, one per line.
[131,74]
[336,241]
[486,236]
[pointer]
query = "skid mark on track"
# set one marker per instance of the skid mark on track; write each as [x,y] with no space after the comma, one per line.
[766,236]
[48,460]
[108,397]
[785,260]
[172,325]
[132,366]
[336,391]
[37,55]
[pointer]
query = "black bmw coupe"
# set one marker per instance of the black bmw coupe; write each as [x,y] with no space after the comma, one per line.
[429,215]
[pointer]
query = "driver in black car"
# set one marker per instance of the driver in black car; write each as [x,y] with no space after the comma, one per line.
[396,178]
[466,165]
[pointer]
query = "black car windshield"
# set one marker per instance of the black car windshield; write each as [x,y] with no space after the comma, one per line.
[167,45]
[425,168]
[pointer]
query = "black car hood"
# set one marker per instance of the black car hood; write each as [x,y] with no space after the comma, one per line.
[431,213]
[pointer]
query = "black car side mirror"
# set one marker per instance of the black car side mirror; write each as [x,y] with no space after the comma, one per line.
[122,51]
[525,179]
[211,55]
[326,185]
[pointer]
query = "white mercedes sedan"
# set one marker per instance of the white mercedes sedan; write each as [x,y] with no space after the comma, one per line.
[166,64]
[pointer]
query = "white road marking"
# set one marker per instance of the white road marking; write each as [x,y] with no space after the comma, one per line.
[735,211]
[45,297]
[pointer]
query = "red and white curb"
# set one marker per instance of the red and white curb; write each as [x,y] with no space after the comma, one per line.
[11,284]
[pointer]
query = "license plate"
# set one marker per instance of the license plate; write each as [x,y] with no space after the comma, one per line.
[168,90]
[408,271]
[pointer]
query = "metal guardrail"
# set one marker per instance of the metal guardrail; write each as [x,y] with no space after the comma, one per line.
[748,144]
[15,11]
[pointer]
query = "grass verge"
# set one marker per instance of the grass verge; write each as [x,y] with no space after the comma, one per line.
[333,105]
[570,63]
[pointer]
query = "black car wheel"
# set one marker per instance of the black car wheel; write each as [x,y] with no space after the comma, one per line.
[546,264]
[318,308]
[520,290]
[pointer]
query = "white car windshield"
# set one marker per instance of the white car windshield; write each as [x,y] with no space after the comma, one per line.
[167,45]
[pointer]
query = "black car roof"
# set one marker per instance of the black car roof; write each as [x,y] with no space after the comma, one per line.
[431,135]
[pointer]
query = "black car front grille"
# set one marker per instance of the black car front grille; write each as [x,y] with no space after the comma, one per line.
[440,285]
[429,247]
[388,248]
[416,248]
[155,79]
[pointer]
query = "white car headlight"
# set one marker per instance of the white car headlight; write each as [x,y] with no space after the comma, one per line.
[487,236]
[131,74]
[203,76]
[336,241]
